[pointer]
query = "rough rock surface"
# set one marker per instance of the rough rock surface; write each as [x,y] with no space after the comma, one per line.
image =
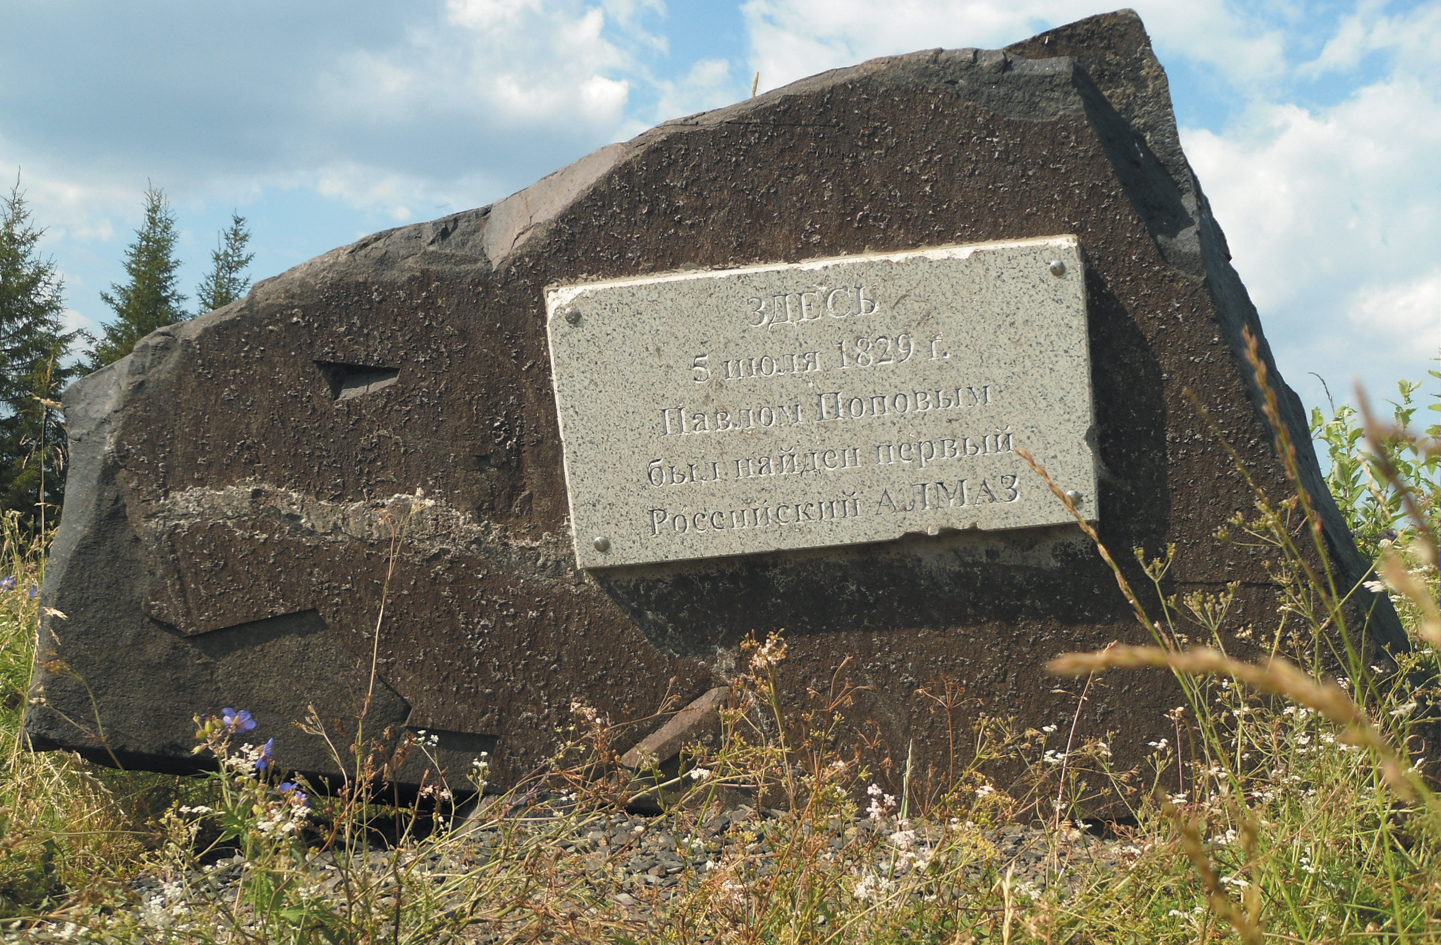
[227,535]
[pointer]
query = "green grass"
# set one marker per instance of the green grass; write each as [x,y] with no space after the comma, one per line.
[1300,816]
[64,825]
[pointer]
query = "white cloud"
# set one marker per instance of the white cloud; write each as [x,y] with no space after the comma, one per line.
[75,321]
[709,84]
[400,197]
[1407,314]
[439,91]
[602,96]
[369,187]
[398,113]
[1407,34]
[1240,42]
[1332,215]
[1353,39]
[792,39]
[318,121]
[522,66]
[66,207]
[488,14]
[629,17]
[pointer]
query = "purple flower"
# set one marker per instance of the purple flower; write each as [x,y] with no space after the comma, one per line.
[267,755]
[292,792]
[236,720]
[33,592]
[7,583]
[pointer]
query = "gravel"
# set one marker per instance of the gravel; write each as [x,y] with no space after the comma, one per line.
[635,862]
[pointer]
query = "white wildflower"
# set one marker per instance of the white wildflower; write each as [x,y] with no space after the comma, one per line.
[586,714]
[1029,890]
[872,886]
[768,654]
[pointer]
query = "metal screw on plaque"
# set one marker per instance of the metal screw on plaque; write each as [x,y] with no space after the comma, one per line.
[602,544]
[571,314]
[1058,268]
[1075,497]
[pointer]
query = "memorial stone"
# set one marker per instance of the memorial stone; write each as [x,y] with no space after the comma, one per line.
[759,369]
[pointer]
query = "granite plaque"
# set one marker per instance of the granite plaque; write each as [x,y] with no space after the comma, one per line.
[836,401]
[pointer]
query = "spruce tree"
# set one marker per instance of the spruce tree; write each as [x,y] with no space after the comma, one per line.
[150,299]
[33,369]
[226,280]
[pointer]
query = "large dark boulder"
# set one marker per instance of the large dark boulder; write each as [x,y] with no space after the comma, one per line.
[238,483]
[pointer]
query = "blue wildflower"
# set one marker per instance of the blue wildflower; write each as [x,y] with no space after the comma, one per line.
[33,592]
[236,720]
[292,792]
[7,583]
[267,755]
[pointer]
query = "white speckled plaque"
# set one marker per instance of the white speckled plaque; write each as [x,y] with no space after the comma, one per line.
[832,402]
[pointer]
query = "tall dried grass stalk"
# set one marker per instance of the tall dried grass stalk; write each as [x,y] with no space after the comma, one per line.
[1090,531]
[1246,923]
[1278,677]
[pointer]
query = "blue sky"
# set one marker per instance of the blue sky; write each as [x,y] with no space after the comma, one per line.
[1314,126]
